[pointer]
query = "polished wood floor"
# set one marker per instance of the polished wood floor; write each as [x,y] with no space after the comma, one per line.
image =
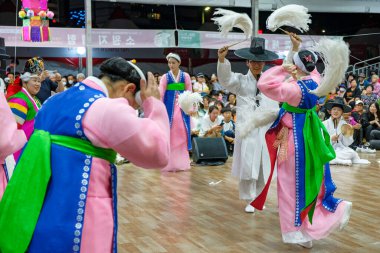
[199,211]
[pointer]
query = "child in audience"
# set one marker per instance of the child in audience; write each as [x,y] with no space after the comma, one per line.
[228,130]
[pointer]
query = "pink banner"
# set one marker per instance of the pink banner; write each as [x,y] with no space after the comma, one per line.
[101,38]
[114,38]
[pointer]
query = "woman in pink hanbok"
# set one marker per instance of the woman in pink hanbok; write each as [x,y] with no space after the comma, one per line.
[300,145]
[172,84]
[63,193]
[11,140]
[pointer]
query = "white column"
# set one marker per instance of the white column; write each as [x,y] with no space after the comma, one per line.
[88,37]
[255,16]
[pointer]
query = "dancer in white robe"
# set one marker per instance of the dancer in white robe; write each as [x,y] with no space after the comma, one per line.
[341,135]
[251,164]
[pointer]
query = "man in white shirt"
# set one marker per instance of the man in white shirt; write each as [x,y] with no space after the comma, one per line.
[200,86]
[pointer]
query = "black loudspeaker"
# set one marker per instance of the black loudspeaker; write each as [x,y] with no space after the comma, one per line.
[212,151]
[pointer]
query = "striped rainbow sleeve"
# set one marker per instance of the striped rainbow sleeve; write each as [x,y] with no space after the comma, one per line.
[19,109]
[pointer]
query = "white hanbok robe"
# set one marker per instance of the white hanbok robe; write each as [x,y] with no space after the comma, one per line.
[344,154]
[250,153]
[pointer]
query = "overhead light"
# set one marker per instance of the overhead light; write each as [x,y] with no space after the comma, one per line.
[81,50]
[323,30]
[207,8]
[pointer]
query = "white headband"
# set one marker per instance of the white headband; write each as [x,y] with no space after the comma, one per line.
[139,71]
[298,62]
[173,55]
[27,76]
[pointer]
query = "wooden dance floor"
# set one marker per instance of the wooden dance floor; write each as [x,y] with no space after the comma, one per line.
[199,211]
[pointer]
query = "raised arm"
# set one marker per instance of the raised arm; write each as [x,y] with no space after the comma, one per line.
[11,139]
[112,123]
[227,78]
[276,84]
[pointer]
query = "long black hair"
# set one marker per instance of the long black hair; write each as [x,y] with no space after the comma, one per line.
[371,116]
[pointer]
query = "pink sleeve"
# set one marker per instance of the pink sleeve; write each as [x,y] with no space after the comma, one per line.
[188,83]
[112,123]
[162,86]
[316,76]
[11,139]
[274,85]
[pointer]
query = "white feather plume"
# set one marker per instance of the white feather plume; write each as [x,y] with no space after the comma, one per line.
[230,19]
[290,15]
[189,101]
[257,119]
[335,55]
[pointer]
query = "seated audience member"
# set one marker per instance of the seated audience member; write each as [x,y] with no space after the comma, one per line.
[376,84]
[228,131]
[215,84]
[200,86]
[352,94]
[368,96]
[71,80]
[373,117]
[341,91]
[231,100]
[64,82]
[211,123]
[341,135]
[322,111]
[220,108]
[359,117]
[362,82]
[349,78]
[218,95]
[193,80]
[203,109]
[80,77]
